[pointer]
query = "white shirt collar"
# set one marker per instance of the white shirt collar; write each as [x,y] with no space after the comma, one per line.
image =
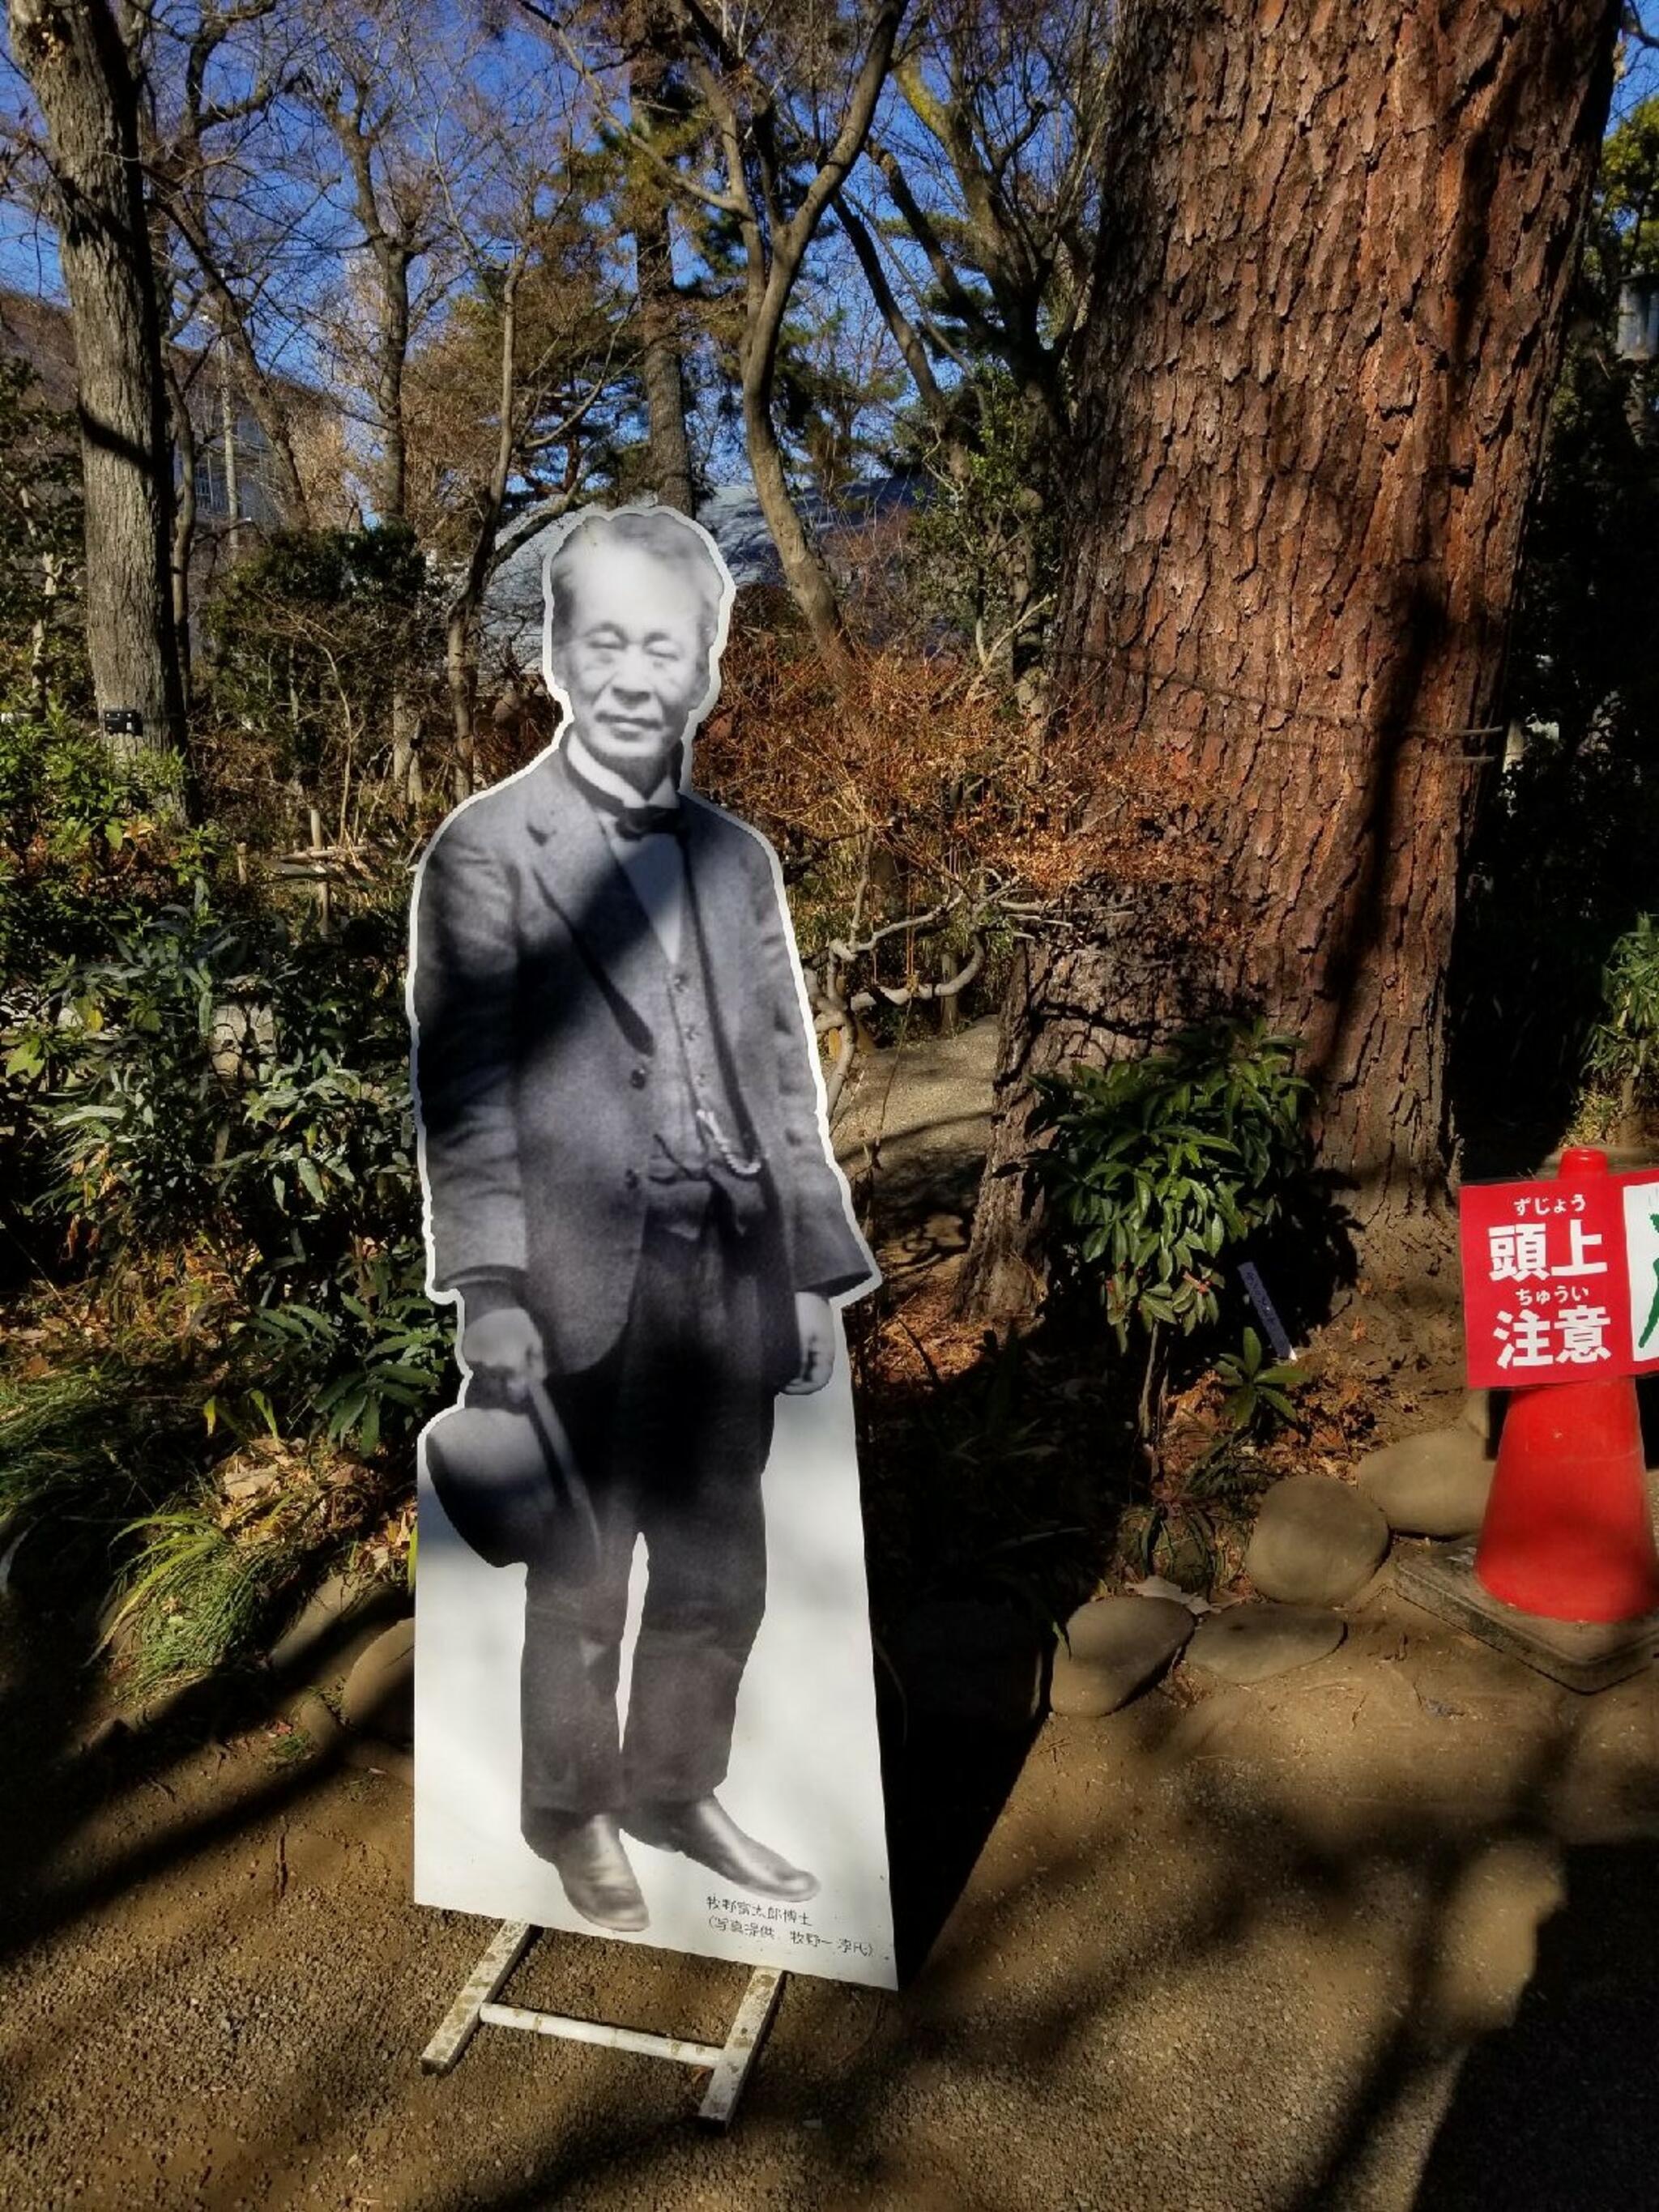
[601,778]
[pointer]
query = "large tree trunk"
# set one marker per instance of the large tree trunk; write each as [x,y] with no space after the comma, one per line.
[1335,259]
[72,54]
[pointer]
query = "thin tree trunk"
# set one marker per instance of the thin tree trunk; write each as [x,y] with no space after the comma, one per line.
[461,676]
[51,570]
[183,524]
[186,207]
[392,251]
[40,628]
[233,475]
[393,247]
[668,447]
[904,334]
[393,485]
[460,664]
[407,784]
[774,251]
[257,390]
[805,570]
[1312,409]
[79,72]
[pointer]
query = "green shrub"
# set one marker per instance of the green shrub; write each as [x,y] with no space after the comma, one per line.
[59,788]
[309,644]
[211,1106]
[983,541]
[1158,1167]
[222,1082]
[42,643]
[1621,1060]
[1258,1390]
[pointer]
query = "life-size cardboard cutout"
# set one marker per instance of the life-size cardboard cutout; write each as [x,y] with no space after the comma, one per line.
[644,1696]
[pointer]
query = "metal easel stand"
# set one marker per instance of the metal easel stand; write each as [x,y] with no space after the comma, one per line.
[729,2063]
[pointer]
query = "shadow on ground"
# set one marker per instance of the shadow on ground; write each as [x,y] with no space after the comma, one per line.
[1557,2110]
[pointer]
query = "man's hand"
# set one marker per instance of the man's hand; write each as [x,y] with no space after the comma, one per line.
[816,1326]
[507,1347]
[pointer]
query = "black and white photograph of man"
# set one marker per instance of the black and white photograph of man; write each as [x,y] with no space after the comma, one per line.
[630,1195]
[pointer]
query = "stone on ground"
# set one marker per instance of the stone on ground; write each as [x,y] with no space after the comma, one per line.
[1315,1541]
[379,1696]
[1431,1485]
[371,1755]
[312,1714]
[1478,1413]
[332,1613]
[1113,1647]
[962,1660]
[1249,1642]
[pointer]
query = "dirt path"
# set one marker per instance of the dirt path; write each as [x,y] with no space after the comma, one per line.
[1379,1933]
[911,1131]
[1265,1949]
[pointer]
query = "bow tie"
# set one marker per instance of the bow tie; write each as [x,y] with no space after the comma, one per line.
[648,821]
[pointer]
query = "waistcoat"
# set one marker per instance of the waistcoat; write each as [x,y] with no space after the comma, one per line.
[700,1119]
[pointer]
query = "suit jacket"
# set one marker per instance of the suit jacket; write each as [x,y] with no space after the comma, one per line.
[543,1034]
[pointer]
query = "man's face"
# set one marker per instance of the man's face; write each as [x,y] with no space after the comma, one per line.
[633,660]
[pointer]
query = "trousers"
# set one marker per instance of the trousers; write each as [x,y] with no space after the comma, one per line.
[671,1431]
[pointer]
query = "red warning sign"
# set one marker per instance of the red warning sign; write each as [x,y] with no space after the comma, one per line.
[1561,1279]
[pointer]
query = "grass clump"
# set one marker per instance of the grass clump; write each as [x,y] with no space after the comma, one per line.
[212,1575]
[189,1537]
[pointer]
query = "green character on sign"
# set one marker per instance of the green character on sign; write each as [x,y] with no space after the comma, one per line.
[1653,1310]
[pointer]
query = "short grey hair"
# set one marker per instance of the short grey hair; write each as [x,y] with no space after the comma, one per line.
[663,533]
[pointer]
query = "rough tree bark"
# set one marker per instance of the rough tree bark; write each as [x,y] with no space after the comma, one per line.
[78,66]
[1336,259]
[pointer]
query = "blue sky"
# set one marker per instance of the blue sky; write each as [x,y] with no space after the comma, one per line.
[28,260]
[29,257]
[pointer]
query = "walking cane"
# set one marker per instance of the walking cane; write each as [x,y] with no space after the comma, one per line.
[578,1524]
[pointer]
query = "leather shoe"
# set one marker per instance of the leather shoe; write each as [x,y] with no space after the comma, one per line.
[703,1830]
[592,1864]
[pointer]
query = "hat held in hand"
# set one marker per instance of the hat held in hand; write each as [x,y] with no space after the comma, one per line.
[510,1485]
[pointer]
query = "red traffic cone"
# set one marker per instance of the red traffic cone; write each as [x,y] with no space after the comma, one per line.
[1568,1533]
